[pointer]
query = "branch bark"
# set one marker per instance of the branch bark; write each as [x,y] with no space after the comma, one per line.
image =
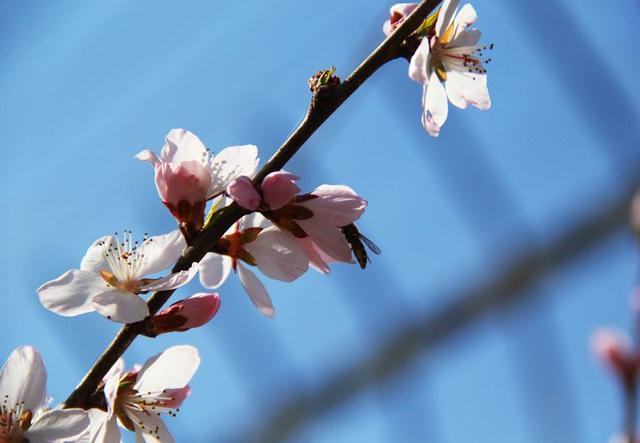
[323,105]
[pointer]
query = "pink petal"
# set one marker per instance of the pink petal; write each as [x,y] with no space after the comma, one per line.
[243,191]
[279,188]
[192,312]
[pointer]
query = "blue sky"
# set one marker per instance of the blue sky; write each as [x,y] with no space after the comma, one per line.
[86,85]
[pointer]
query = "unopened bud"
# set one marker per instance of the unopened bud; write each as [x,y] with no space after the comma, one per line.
[324,78]
[183,315]
[614,349]
[243,191]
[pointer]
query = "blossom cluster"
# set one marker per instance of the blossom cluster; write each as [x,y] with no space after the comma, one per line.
[283,233]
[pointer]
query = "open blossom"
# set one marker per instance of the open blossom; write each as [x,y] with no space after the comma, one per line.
[316,219]
[449,64]
[23,413]
[137,398]
[187,174]
[183,315]
[112,275]
[251,241]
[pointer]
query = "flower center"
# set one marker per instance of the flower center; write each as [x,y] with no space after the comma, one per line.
[14,421]
[466,59]
[124,259]
[232,245]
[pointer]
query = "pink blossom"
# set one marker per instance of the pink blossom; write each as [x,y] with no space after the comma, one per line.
[319,217]
[186,314]
[187,174]
[397,14]
[244,192]
[279,188]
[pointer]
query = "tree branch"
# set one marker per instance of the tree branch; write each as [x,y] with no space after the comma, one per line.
[324,103]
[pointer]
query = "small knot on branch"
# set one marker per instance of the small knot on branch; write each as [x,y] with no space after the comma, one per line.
[324,79]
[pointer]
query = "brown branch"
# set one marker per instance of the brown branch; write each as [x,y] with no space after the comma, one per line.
[324,103]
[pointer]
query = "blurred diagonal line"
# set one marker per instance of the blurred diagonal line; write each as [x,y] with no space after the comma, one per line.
[527,268]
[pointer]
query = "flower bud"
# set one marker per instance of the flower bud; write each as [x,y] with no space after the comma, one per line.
[244,192]
[279,188]
[614,349]
[183,315]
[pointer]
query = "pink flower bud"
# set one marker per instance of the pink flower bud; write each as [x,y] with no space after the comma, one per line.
[279,188]
[615,350]
[183,189]
[244,192]
[397,14]
[189,313]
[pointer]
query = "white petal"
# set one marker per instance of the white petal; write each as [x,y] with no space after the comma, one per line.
[467,88]
[230,163]
[254,220]
[466,16]
[418,66]
[102,429]
[465,38]
[94,259]
[171,369]
[329,239]
[23,379]
[172,281]
[58,425]
[154,431]
[121,307]
[278,255]
[71,293]
[214,270]
[112,381]
[148,156]
[446,16]
[256,291]
[336,205]
[181,146]
[160,252]
[435,106]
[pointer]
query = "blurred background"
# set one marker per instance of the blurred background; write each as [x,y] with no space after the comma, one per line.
[505,241]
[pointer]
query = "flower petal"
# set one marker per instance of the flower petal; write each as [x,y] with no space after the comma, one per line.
[230,163]
[435,106]
[465,88]
[256,291]
[160,252]
[154,430]
[336,205]
[121,307]
[182,146]
[214,270]
[244,192]
[419,63]
[58,425]
[71,293]
[318,260]
[279,188]
[171,369]
[111,383]
[446,16]
[103,429]
[466,16]
[329,239]
[94,259]
[172,281]
[278,255]
[148,156]
[23,379]
[253,220]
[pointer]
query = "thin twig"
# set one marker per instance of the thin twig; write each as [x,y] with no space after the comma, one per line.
[322,106]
